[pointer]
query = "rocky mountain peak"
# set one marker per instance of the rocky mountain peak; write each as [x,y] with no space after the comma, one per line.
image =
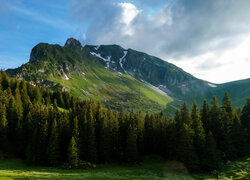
[73,43]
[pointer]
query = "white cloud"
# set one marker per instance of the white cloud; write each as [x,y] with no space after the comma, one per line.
[203,37]
[129,12]
[219,67]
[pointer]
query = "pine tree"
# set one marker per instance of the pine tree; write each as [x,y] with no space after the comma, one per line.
[91,152]
[113,126]
[36,94]
[131,146]
[13,120]
[185,115]
[75,131]
[105,149]
[53,145]
[3,127]
[238,138]
[211,156]
[185,151]
[148,134]
[122,132]
[245,120]
[227,105]
[73,158]
[139,131]
[215,124]
[224,140]
[199,133]
[5,81]
[204,114]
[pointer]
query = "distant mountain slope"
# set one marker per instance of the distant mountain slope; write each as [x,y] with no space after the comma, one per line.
[121,77]
[72,68]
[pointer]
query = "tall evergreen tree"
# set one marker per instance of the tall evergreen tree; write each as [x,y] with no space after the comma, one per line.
[199,133]
[238,138]
[73,158]
[3,127]
[185,151]
[245,119]
[91,152]
[215,124]
[211,156]
[185,115]
[75,131]
[131,146]
[205,115]
[53,145]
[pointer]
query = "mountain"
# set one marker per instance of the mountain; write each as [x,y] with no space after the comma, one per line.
[120,77]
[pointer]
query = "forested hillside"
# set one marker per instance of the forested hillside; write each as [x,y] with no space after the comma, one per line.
[57,129]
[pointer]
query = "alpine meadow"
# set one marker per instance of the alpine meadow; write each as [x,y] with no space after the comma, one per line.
[125,89]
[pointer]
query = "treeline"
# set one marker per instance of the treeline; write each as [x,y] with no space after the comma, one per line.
[54,128]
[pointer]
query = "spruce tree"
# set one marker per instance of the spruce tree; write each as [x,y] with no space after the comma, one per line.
[75,131]
[211,156]
[91,152]
[148,133]
[185,115]
[131,146]
[238,138]
[53,145]
[73,158]
[199,133]
[3,128]
[185,151]
[113,126]
[105,149]
[204,114]
[215,123]
[245,120]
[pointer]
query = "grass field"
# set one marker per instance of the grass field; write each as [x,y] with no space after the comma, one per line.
[161,170]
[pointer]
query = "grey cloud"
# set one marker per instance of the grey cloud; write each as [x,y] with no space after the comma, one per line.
[179,28]
[209,64]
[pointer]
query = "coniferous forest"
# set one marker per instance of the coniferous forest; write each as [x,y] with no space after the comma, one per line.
[56,129]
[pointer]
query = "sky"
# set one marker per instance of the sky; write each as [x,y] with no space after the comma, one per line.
[209,39]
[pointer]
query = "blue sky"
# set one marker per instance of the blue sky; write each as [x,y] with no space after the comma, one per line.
[26,23]
[209,39]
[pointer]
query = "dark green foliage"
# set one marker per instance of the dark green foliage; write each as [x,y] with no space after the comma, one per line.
[3,127]
[245,120]
[210,156]
[238,136]
[131,152]
[204,114]
[199,133]
[78,130]
[53,153]
[91,152]
[73,159]
[185,151]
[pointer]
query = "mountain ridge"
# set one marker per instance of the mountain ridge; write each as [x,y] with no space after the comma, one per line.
[56,66]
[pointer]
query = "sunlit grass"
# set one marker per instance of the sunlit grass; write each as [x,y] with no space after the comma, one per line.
[149,170]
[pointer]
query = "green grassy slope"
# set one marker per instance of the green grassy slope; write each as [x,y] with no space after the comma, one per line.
[73,68]
[156,170]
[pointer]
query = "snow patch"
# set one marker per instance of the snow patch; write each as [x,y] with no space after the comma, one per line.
[83,75]
[122,60]
[211,85]
[155,88]
[97,47]
[104,59]
[65,77]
